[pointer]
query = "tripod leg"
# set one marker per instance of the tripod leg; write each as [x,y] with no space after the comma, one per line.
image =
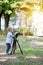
[13,48]
[20,48]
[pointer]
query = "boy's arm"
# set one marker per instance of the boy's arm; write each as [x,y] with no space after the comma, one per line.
[11,35]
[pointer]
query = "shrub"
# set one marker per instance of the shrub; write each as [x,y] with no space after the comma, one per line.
[3,32]
[24,31]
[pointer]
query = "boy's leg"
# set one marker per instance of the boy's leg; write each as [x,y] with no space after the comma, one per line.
[8,48]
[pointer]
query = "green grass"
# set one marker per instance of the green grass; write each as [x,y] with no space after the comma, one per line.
[24,63]
[27,50]
[32,51]
[2,38]
[24,43]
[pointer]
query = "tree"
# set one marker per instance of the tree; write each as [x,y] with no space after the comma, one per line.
[6,12]
[9,7]
[0,19]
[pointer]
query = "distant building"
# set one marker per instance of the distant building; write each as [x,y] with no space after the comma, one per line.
[37,23]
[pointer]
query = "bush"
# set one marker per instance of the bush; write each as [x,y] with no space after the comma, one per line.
[3,32]
[16,30]
[24,31]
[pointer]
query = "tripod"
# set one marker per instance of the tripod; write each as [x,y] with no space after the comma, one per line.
[19,47]
[14,46]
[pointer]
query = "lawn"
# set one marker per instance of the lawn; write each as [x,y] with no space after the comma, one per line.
[24,63]
[24,43]
[27,50]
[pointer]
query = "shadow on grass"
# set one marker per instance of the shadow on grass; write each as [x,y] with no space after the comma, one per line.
[29,61]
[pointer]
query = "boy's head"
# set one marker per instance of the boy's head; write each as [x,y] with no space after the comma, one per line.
[10,29]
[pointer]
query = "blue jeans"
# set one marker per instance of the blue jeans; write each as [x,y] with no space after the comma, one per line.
[8,47]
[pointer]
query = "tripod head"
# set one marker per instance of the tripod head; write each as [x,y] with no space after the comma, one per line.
[17,34]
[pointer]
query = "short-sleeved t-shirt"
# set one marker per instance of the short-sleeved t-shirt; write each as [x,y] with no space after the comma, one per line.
[9,38]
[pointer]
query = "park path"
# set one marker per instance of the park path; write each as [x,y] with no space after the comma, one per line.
[13,59]
[36,44]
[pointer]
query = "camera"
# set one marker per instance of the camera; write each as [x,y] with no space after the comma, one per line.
[17,34]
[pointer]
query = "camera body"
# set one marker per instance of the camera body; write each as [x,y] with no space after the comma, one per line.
[17,34]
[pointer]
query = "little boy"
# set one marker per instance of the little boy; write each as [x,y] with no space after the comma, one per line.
[9,39]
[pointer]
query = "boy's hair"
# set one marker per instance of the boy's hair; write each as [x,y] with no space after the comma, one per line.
[9,28]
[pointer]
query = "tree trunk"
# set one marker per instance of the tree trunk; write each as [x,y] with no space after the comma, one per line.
[7,18]
[0,23]
[0,20]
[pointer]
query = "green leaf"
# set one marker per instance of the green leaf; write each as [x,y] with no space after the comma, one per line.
[13,5]
[0,2]
[5,1]
[8,12]
[0,9]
